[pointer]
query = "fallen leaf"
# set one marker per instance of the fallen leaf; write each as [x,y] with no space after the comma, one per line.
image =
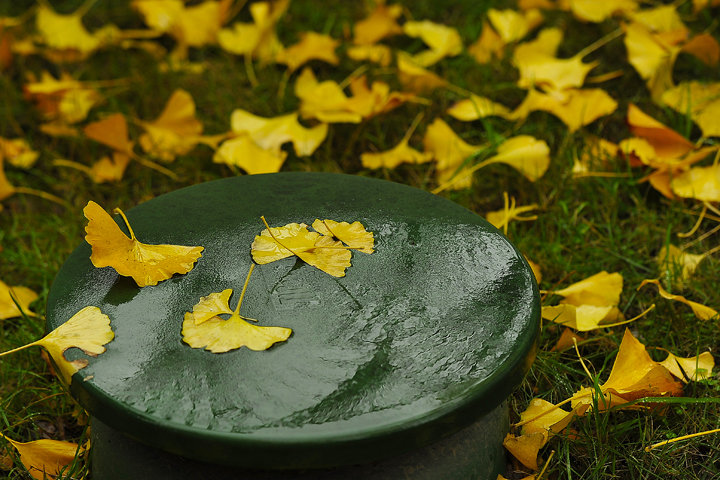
[64,31]
[700,183]
[526,154]
[567,340]
[243,152]
[354,235]
[379,24]
[502,218]
[6,188]
[380,54]
[450,152]
[63,100]
[219,335]
[477,107]
[401,153]
[600,289]
[634,375]
[192,26]
[18,152]
[693,369]
[596,12]
[146,264]
[665,141]
[525,448]
[700,100]
[22,295]
[537,273]
[579,108]
[112,131]
[704,47]
[443,41]
[258,39]
[175,131]
[415,78]
[701,311]
[488,46]
[582,318]
[312,46]
[677,265]
[651,57]
[271,133]
[512,25]
[45,458]
[109,169]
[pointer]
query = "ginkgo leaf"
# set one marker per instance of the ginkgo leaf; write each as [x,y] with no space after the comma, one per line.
[22,295]
[634,375]
[109,169]
[704,47]
[500,219]
[536,269]
[579,107]
[6,188]
[380,23]
[567,339]
[243,152]
[45,458]
[218,335]
[146,264]
[596,12]
[401,153]
[272,133]
[678,264]
[293,236]
[415,78]
[700,183]
[701,311]
[694,368]
[488,46]
[211,306]
[194,25]
[312,46]
[700,100]
[443,41]
[175,131]
[525,153]
[64,31]
[665,141]
[89,330]
[600,289]
[525,448]
[17,152]
[582,318]
[449,151]
[652,58]
[354,235]
[111,131]
[477,107]
[258,39]
[320,251]
[380,54]
[512,25]
[63,99]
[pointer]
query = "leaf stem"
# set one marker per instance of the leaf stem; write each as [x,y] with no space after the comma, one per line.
[684,437]
[695,227]
[242,293]
[39,193]
[581,361]
[647,310]
[122,214]
[18,349]
[547,463]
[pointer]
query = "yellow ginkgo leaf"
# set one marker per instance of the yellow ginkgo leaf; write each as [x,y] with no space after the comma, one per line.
[89,329]
[415,78]
[705,48]
[219,335]
[665,141]
[379,24]
[477,107]
[109,169]
[450,152]
[45,458]
[146,264]
[380,54]
[582,318]
[17,152]
[401,153]
[258,39]
[111,131]
[282,243]
[596,12]
[243,152]
[271,133]
[443,41]
[64,31]
[600,289]
[701,311]
[545,418]
[312,46]
[525,153]
[22,295]
[175,131]
[354,235]
[677,264]
[64,100]
[525,448]
[500,219]
[700,183]
[320,251]
[212,305]
[324,101]
[634,375]
[576,108]
[652,58]
[512,25]
[6,188]
[700,100]
[159,15]
[488,46]
[193,26]
[694,368]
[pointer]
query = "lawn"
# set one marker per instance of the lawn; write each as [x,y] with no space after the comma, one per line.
[616,207]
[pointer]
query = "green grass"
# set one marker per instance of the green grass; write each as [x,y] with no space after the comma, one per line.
[584,226]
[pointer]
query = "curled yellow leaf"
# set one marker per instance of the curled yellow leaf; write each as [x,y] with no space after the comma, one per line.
[701,311]
[694,368]
[9,295]
[146,264]
[44,458]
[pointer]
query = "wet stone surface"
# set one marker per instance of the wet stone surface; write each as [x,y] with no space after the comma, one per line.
[420,338]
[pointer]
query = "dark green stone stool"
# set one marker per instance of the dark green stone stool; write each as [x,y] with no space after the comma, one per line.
[400,369]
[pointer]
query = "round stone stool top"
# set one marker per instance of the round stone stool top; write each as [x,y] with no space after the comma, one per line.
[418,340]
